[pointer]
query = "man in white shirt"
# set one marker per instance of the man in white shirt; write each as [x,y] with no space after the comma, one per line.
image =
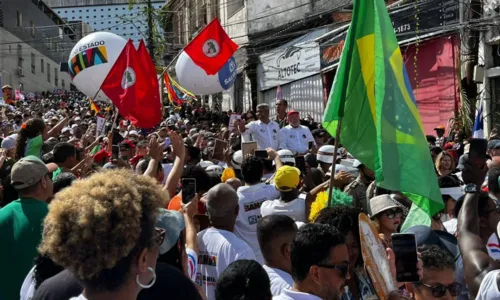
[320,264]
[295,137]
[250,198]
[289,203]
[275,234]
[264,131]
[219,247]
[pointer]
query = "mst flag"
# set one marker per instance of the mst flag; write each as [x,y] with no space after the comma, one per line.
[381,125]
[130,88]
[211,48]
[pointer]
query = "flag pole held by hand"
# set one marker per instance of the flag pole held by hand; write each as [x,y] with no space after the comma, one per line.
[332,175]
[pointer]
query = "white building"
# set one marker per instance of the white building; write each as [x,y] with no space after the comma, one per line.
[108,15]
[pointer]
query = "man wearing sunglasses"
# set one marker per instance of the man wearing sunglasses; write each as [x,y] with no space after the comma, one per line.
[438,281]
[320,264]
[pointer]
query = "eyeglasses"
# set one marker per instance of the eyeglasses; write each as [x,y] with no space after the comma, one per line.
[344,268]
[392,213]
[159,236]
[439,290]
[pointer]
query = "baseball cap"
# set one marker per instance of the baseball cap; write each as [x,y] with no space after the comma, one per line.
[173,223]
[287,178]
[28,171]
[127,144]
[462,161]
[325,154]
[356,164]
[133,132]
[382,203]
[9,142]
[293,112]
[494,144]
[440,127]
[424,235]
[6,87]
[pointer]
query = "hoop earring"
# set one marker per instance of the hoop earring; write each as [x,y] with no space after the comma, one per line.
[146,286]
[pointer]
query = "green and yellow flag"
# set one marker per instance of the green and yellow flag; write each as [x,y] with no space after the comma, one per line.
[381,125]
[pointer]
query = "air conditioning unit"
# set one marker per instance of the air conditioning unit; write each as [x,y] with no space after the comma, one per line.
[20,71]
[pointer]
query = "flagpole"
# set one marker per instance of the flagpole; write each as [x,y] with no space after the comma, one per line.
[332,174]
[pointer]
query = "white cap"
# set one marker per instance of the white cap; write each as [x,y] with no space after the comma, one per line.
[78,119]
[214,170]
[66,129]
[356,163]
[74,126]
[133,132]
[9,142]
[338,168]
[205,164]
[325,154]
[237,160]
[286,156]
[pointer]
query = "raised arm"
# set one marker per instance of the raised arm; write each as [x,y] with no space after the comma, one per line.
[176,172]
[477,262]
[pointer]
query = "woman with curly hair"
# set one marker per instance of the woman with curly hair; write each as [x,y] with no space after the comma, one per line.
[32,135]
[102,229]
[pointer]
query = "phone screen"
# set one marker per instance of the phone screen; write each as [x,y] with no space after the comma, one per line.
[300,163]
[261,153]
[405,249]
[311,144]
[188,189]
[115,151]
[477,152]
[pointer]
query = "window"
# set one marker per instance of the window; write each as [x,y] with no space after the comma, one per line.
[87,10]
[19,55]
[56,77]
[48,72]
[63,84]
[94,9]
[79,10]
[19,19]
[102,9]
[32,28]
[234,6]
[33,63]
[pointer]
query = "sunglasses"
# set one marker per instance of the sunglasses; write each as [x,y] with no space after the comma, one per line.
[159,236]
[343,268]
[392,213]
[439,290]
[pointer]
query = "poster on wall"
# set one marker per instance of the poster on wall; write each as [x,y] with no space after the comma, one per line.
[282,66]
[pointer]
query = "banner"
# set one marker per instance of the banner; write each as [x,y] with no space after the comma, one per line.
[101,126]
[233,119]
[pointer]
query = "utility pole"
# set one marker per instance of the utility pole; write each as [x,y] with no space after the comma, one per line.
[151,45]
[471,45]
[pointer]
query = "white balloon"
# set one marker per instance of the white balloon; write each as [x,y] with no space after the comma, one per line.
[195,79]
[91,60]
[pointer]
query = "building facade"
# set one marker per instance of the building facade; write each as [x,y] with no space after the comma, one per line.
[34,40]
[108,15]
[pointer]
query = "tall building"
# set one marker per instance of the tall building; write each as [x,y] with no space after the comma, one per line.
[34,40]
[108,15]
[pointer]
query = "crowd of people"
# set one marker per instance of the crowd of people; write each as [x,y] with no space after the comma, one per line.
[92,213]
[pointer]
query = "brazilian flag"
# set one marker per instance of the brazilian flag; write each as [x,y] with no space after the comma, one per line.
[381,125]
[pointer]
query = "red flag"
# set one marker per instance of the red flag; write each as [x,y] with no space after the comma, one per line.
[211,48]
[150,66]
[129,86]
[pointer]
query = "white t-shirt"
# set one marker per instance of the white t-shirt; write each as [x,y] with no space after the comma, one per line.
[192,263]
[250,200]
[280,280]
[295,139]
[489,289]
[493,247]
[266,135]
[295,209]
[294,295]
[218,249]
[28,287]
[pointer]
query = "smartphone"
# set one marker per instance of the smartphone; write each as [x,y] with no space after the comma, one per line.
[311,144]
[404,246]
[300,163]
[477,152]
[261,154]
[248,148]
[188,189]
[117,137]
[115,151]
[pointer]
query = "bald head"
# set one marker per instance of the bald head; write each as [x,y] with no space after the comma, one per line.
[222,201]
[234,182]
